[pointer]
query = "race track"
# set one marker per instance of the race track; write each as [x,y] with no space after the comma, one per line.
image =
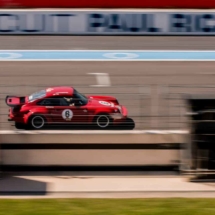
[141,86]
[108,42]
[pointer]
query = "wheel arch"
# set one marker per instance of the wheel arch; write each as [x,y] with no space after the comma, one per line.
[36,114]
[100,113]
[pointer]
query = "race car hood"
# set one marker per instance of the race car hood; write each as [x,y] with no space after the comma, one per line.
[100,104]
[102,99]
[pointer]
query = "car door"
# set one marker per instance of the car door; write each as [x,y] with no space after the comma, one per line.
[69,113]
[48,105]
[53,107]
[79,114]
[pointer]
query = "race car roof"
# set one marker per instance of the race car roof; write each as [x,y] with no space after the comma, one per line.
[59,91]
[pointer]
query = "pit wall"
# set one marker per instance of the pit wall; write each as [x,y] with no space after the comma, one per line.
[77,149]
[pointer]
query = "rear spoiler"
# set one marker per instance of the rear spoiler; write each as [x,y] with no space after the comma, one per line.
[13,101]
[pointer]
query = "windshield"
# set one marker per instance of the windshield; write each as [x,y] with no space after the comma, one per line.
[80,97]
[37,95]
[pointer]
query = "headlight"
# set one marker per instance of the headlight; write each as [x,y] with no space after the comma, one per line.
[119,108]
[116,110]
[116,115]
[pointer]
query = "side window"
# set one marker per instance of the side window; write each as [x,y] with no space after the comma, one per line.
[64,101]
[42,102]
[75,101]
[67,101]
[50,102]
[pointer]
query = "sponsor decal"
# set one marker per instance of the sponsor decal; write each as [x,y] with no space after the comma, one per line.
[105,103]
[67,114]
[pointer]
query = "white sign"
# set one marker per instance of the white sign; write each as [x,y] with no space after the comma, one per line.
[67,114]
[112,22]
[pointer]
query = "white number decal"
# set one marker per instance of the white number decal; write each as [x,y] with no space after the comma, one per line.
[67,114]
[103,79]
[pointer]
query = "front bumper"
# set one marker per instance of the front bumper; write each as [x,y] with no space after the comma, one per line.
[116,116]
[120,117]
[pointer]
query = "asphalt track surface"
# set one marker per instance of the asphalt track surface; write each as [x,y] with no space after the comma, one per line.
[108,42]
[141,86]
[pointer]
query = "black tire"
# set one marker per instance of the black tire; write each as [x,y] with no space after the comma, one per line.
[36,122]
[19,125]
[103,121]
[129,124]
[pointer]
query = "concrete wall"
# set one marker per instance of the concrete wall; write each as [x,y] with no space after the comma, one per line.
[90,148]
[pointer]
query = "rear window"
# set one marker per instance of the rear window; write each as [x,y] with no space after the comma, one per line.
[37,95]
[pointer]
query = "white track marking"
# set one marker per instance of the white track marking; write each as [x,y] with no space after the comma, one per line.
[125,55]
[9,55]
[103,79]
[103,60]
[104,50]
[107,10]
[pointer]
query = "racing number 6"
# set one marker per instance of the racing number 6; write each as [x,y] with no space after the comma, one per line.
[67,114]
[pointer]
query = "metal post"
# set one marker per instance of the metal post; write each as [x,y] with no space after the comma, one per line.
[144,93]
[0,158]
[153,106]
[165,94]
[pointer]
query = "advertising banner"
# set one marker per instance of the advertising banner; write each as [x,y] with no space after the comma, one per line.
[113,22]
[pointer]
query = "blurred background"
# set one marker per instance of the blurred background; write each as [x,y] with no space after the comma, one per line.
[152,89]
[149,54]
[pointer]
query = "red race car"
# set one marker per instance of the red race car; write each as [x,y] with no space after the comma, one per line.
[66,106]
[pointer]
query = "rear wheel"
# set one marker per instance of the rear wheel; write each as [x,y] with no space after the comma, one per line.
[103,121]
[37,122]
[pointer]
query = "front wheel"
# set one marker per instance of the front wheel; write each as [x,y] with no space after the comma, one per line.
[129,124]
[103,121]
[36,122]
